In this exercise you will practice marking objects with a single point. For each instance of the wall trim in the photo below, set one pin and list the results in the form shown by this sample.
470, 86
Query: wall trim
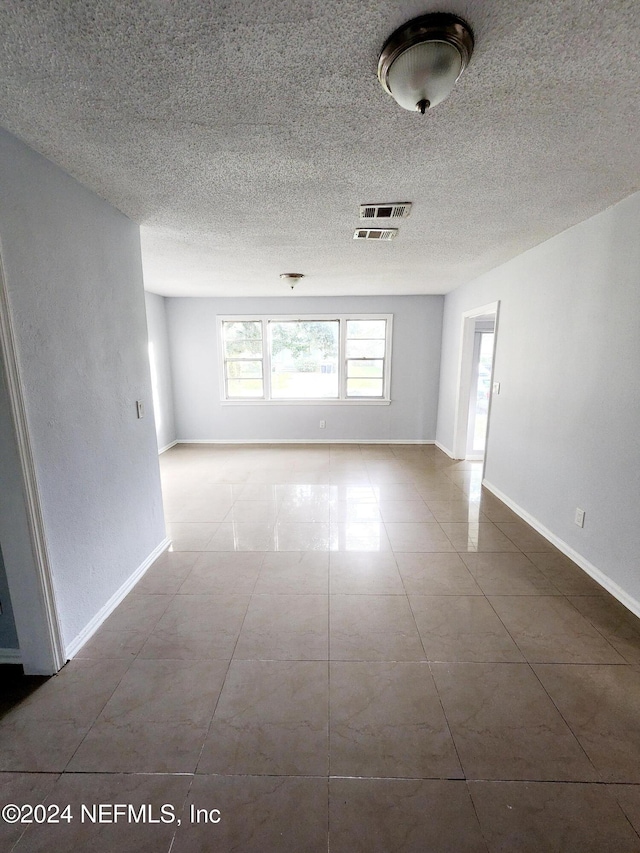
55, 645
10, 656
167, 446
107, 609
303, 441
599, 576
444, 449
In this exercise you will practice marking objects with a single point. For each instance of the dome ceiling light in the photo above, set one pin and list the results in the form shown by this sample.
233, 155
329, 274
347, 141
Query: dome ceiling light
422, 60
292, 278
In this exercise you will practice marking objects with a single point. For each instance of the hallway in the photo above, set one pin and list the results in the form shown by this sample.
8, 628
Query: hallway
349, 647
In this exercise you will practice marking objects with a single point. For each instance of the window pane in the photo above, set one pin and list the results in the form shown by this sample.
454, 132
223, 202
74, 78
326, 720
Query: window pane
234, 330
365, 349
242, 338
304, 359
364, 387
244, 369
244, 388
367, 369
242, 348
366, 328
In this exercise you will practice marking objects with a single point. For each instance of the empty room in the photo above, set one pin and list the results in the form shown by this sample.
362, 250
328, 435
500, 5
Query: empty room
307, 544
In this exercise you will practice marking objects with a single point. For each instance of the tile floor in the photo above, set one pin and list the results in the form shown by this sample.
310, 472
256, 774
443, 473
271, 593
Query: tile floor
348, 648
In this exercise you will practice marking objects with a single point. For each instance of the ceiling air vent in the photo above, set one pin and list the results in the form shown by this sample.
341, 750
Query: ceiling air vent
375, 233
397, 210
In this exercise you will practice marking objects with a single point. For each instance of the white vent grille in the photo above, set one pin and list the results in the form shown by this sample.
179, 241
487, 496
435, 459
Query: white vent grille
375, 233
397, 210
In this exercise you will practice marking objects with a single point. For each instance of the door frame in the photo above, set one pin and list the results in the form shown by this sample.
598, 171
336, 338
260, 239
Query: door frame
465, 376
31, 586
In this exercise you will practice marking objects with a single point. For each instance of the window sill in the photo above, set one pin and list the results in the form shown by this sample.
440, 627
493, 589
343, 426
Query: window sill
363, 402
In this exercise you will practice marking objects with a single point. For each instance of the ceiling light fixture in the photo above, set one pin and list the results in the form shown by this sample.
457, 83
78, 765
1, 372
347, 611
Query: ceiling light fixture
422, 60
292, 278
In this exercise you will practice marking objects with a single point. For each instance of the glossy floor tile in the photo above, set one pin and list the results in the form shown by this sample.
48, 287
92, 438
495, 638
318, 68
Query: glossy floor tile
462, 628
285, 627
402, 815
436, 574
545, 817
257, 814
373, 627
198, 627
272, 718
29, 789
92, 831
505, 726
549, 629
600, 704
352, 648
365, 574
508, 574
386, 721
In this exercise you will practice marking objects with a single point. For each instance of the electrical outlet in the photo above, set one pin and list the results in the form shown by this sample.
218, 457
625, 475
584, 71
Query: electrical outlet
140, 408
579, 519
323, 424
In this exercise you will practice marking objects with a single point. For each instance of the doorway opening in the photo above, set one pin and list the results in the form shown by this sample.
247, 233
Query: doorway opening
473, 407
480, 390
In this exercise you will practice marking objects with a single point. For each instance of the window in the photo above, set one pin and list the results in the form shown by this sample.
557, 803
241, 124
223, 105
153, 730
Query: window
304, 359
243, 359
286, 359
366, 345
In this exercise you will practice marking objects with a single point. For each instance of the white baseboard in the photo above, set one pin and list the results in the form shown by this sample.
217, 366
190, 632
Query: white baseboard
303, 441
444, 449
89, 630
599, 576
10, 656
167, 447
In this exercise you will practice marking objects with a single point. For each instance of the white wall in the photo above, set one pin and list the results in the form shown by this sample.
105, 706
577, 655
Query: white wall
74, 282
414, 379
161, 378
565, 429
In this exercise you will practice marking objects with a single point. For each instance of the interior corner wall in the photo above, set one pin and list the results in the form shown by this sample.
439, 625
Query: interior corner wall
195, 357
73, 276
565, 429
161, 375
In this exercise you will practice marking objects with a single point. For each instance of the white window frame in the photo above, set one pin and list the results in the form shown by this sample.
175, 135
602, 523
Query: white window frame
342, 399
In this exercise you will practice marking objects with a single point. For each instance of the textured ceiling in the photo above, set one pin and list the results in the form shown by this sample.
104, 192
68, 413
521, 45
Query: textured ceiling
243, 135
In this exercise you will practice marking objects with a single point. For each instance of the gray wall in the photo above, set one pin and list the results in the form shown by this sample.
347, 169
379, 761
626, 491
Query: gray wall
565, 429
411, 416
161, 378
74, 283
